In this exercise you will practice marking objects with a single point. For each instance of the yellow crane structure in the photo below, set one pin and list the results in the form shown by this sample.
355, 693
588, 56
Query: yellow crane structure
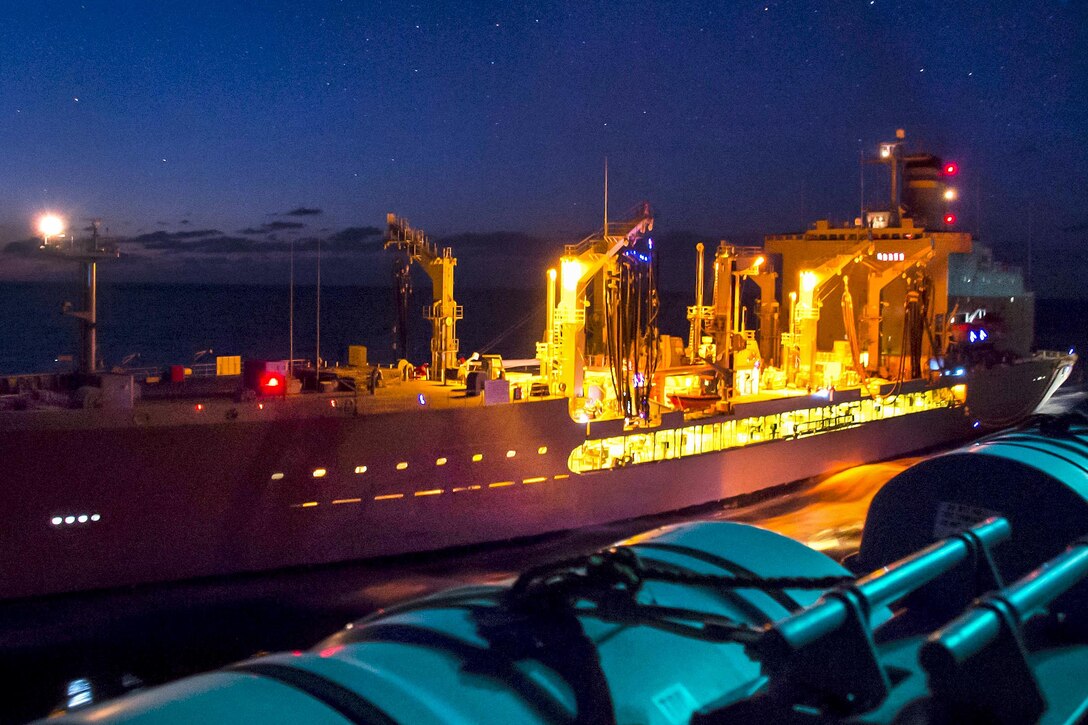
886, 255
564, 344
443, 312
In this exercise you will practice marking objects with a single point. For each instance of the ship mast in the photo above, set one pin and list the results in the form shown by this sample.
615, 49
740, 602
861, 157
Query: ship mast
87, 254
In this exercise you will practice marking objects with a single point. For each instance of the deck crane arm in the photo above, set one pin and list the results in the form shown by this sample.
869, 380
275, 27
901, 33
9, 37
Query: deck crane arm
578, 266
443, 312
806, 313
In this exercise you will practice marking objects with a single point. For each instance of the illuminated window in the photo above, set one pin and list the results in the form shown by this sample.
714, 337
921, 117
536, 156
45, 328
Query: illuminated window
542, 450
319, 472
477, 457
360, 469
402, 465
440, 462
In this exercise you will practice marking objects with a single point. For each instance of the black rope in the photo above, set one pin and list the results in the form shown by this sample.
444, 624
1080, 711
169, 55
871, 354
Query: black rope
620, 569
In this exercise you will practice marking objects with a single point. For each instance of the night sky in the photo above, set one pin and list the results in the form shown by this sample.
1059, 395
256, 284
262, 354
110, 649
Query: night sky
208, 135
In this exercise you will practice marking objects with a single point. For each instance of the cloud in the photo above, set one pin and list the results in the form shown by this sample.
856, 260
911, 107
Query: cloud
163, 237
353, 237
303, 211
276, 226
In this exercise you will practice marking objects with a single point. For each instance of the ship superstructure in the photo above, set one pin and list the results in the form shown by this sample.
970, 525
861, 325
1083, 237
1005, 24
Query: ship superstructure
612, 420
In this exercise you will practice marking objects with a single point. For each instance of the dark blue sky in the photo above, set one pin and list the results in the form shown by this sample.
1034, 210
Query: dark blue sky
731, 118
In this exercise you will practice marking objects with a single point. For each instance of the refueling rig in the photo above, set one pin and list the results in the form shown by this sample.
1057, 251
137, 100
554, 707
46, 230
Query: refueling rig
975, 610
443, 312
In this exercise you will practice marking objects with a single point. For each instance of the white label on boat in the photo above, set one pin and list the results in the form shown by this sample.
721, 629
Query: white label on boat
676, 703
952, 518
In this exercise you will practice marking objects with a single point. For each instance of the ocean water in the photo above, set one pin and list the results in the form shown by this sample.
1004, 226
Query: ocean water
169, 324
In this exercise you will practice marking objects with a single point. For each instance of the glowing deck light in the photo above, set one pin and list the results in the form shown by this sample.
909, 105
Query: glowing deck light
402, 465
511, 454
500, 484
50, 225
477, 457
57, 521
309, 504
429, 492
69, 519
808, 280
389, 497
422, 399
440, 462
951, 169
272, 381
542, 450
347, 500
319, 472
96, 517
360, 469
82, 518
534, 479
572, 273
950, 194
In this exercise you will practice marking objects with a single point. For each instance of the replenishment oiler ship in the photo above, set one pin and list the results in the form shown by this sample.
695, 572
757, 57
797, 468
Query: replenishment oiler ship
840, 345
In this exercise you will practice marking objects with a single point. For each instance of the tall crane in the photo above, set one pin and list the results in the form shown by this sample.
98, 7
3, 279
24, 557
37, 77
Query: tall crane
580, 264
443, 312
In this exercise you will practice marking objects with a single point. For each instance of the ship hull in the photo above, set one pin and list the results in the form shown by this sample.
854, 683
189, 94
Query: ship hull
96, 499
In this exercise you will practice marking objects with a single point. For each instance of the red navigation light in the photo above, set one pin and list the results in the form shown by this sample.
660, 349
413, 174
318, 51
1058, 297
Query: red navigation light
272, 381
950, 219
951, 169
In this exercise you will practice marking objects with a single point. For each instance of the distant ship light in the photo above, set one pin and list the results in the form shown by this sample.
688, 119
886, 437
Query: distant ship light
50, 225
949, 219
951, 169
950, 194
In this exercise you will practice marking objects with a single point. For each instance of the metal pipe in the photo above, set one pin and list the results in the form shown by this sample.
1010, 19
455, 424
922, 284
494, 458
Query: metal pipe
696, 333
89, 321
968, 635
549, 324
891, 583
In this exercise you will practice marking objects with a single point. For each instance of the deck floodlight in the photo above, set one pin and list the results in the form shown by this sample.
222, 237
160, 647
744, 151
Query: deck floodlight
50, 225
